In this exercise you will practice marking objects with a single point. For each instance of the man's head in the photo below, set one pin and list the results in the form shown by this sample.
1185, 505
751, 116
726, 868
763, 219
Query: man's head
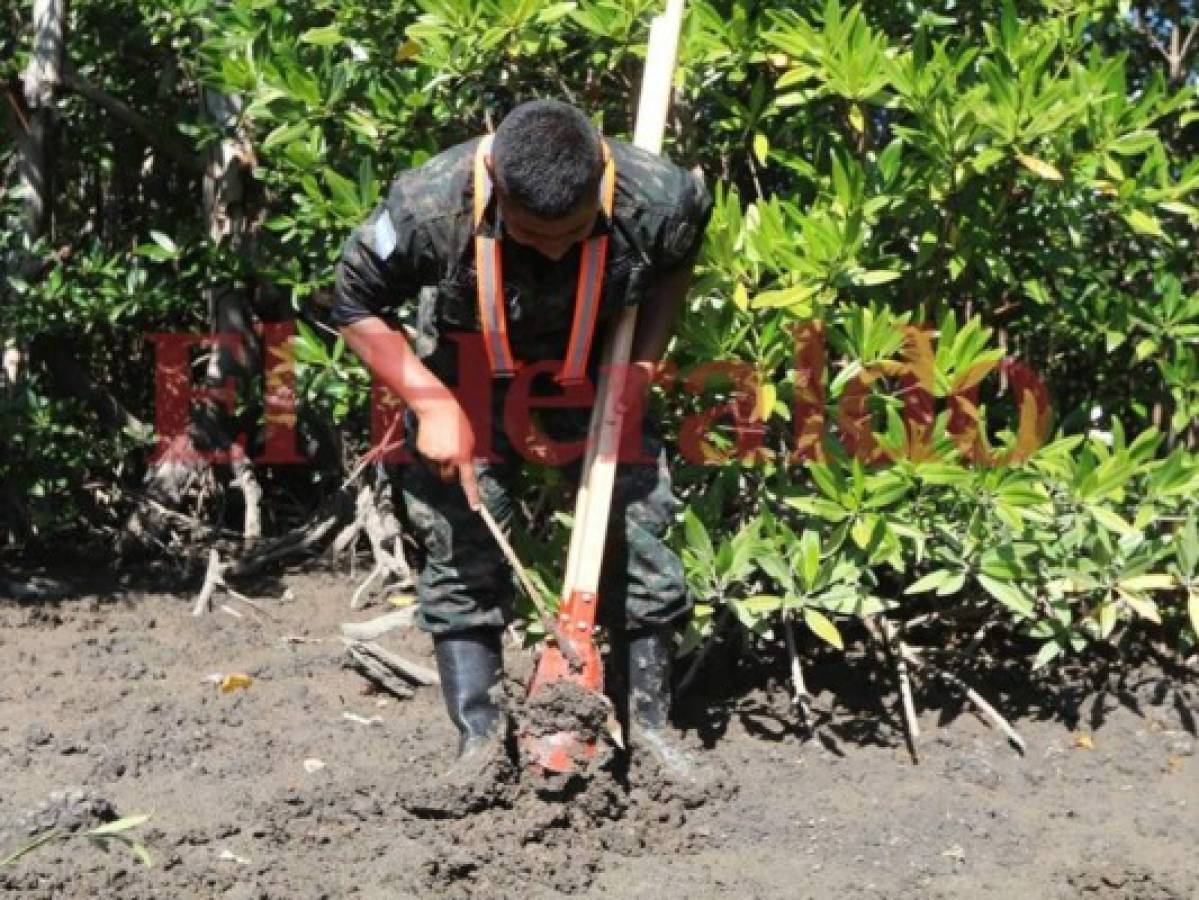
547, 161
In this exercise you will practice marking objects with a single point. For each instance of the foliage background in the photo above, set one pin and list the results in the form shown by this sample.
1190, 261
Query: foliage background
1021, 178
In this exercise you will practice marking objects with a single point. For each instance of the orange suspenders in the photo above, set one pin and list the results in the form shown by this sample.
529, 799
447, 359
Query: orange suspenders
489, 268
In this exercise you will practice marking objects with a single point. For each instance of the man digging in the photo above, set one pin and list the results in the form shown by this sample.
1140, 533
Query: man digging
518, 250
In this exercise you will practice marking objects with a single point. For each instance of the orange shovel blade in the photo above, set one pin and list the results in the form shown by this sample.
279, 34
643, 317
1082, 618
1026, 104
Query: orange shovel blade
564, 752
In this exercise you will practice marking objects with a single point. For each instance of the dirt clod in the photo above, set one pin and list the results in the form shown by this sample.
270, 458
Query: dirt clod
70, 810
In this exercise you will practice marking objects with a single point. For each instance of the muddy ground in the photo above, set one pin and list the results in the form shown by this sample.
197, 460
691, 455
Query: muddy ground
107, 706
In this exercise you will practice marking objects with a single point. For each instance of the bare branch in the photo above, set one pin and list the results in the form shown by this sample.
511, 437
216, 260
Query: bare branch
152, 134
1186, 45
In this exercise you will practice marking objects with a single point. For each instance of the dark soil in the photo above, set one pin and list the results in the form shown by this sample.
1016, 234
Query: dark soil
110, 708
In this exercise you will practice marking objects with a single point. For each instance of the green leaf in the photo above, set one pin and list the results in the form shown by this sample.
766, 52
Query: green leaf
1048, 652
929, 582
953, 585
1193, 609
986, 158
823, 627
1134, 142
819, 507
1149, 582
118, 826
1010, 595
555, 11
1142, 606
1188, 548
759, 604
1039, 167
761, 147
142, 854
809, 554
785, 297
1112, 521
165, 242
863, 530
876, 276
697, 536
284, 134
943, 474
1143, 223
325, 36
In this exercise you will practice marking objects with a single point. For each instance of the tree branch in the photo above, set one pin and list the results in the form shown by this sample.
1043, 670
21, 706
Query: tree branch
15, 120
152, 134
1186, 45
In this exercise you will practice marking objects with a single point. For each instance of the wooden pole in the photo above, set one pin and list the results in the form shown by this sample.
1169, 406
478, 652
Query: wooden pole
596, 480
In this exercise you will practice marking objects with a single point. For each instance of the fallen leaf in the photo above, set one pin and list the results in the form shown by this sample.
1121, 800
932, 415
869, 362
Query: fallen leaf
1083, 741
1173, 764
235, 681
401, 600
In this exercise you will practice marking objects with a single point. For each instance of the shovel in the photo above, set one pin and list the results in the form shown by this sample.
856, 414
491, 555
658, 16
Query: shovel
573, 656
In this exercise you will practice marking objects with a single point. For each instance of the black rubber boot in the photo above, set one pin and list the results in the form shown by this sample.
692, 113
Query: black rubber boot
649, 655
469, 664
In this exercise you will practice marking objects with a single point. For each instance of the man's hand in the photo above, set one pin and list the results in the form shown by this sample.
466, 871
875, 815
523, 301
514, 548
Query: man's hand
446, 442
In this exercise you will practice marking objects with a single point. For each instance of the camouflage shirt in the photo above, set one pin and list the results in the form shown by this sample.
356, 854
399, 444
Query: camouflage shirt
415, 254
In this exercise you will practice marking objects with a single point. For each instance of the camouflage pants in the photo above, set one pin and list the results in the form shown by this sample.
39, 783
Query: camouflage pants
465, 581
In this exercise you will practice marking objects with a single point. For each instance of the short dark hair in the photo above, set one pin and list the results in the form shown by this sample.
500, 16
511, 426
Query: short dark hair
547, 157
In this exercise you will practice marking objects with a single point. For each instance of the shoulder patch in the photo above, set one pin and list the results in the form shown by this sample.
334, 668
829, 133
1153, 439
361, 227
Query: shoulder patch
383, 236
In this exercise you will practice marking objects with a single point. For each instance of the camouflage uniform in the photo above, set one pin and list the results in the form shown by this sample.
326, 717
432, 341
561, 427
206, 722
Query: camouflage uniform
418, 245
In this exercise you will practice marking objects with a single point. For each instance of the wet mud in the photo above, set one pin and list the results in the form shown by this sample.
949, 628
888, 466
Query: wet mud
302, 784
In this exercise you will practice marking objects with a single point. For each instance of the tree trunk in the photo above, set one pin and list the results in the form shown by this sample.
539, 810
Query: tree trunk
33, 128
42, 77
236, 359
227, 188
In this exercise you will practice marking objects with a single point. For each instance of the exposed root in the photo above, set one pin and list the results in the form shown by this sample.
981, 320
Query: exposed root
379, 626
214, 580
800, 697
373, 518
973, 696
246, 480
885, 633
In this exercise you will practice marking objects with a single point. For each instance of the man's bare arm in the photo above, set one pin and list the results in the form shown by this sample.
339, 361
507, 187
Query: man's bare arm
656, 317
445, 437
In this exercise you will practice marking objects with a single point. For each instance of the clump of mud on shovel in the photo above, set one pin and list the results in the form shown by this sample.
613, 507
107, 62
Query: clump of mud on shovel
566, 707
